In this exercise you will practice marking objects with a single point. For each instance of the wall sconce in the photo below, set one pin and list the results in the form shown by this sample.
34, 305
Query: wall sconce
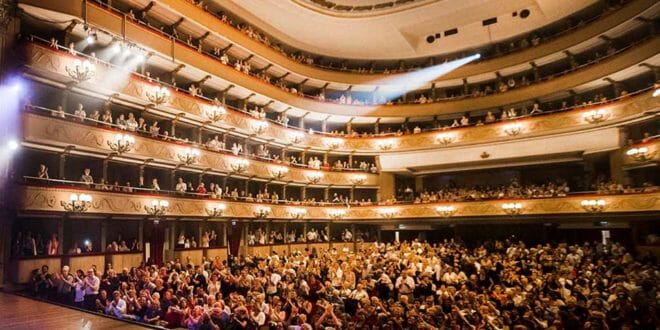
278, 172
297, 213
593, 205
387, 213
359, 179
215, 113
295, 137
216, 211
77, 203
239, 165
189, 156
512, 208
640, 154
262, 212
314, 177
158, 95
595, 116
157, 208
445, 211
121, 143
333, 144
259, 127
81, 70
512, 129
445, 138
386, 145
336, 214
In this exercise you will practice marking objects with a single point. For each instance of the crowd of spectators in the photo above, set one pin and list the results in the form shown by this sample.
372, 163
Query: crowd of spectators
408, 285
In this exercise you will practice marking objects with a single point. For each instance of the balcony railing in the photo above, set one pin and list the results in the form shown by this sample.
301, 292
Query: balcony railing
42, 130
551, 120
44, 199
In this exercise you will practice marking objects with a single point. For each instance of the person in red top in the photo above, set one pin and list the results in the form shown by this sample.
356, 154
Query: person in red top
201, 189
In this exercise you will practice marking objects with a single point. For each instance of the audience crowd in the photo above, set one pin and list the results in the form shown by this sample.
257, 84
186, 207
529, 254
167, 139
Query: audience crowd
408, 285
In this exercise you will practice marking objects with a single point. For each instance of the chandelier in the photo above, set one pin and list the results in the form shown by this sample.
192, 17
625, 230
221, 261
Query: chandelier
157, 208
334, 143
297, 213
259, 127
77, 203
239, 165
314, 177
121, 143
512, 129
295, 138
387, 213
216, 210
359, 179
445, 138
336, 214
595, 116
593, 205
215, 113
278, 172
512, 208
262, 212
640, 154
81, 70
158, 95
445, 211
386, 145
189, 156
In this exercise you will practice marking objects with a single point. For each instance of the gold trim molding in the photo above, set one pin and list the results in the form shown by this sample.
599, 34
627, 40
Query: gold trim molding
43, 199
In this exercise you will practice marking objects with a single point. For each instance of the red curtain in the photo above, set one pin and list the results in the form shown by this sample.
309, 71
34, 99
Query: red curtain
234, 237
156, 244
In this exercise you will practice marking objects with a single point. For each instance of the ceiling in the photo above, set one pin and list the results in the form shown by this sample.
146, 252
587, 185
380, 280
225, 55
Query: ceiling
402, 32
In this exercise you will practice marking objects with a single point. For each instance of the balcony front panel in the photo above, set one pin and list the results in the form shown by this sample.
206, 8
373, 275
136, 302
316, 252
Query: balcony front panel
643, 153
135, 89
565, 41
135, 33
42, 130
45, 199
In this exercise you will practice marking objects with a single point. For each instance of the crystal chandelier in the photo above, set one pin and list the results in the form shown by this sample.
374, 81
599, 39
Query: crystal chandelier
314, 177
239, 165
262, 212
216, 210
157, 208
279, 172
189, 156
77, 203
121, 143
215, 113
158, 95
81, 70
297, 213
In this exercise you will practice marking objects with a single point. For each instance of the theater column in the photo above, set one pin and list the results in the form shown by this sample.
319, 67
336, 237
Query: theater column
385, 186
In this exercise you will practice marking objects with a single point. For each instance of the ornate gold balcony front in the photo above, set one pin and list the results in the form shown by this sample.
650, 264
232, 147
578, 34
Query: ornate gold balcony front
41, 130
45, 199
49, 61
170, 49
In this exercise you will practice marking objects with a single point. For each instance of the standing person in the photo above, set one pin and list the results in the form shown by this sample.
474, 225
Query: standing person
79, 288
65, 285
92, 284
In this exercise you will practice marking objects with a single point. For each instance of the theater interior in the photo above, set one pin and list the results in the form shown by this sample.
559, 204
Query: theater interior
329, 164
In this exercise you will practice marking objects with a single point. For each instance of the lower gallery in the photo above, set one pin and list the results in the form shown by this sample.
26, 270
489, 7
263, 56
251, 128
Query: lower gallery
208, 164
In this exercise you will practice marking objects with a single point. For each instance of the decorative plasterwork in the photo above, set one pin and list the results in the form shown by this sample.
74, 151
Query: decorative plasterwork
136, 88
42, 199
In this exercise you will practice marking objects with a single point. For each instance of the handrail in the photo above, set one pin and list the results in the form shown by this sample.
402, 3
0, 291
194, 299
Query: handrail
83, 186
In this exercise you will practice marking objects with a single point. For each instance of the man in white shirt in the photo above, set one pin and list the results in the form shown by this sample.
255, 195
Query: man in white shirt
405, 284
180, 186
92, 284
117, 307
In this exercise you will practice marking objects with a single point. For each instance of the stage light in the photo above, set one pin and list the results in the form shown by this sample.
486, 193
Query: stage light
90, 39
140, 58
12, 145
115, 48
399, 84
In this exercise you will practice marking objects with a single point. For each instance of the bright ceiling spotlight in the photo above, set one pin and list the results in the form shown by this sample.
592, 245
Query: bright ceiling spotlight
656, 92
90, 39
140, 58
